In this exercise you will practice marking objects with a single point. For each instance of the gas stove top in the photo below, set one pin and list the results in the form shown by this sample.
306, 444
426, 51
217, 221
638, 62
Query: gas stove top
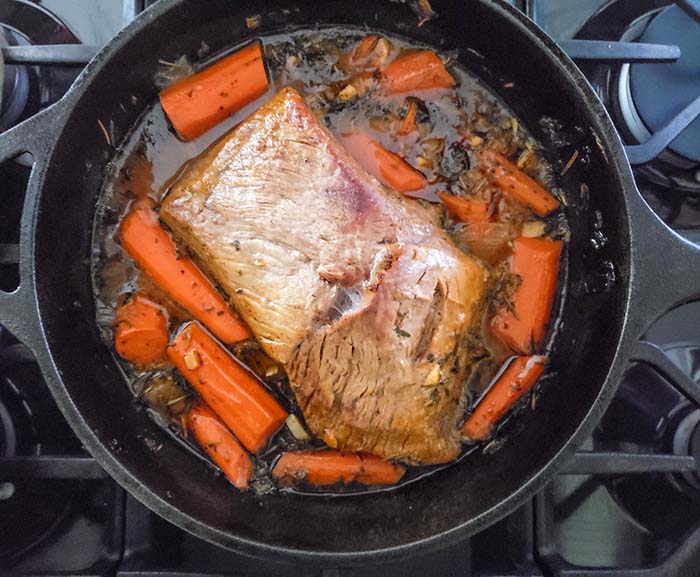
629, 504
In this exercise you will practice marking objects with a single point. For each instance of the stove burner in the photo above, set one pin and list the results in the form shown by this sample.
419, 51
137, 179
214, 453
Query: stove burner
17, 433
686, 441
14, 83
670, 182
660, 91
8, 438
647, 415
29, 508
27, 89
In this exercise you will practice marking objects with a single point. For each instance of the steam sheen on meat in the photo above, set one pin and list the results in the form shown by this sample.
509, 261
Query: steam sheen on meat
355, 290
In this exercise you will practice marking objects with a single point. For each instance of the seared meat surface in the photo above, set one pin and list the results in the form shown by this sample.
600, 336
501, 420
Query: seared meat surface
355, 290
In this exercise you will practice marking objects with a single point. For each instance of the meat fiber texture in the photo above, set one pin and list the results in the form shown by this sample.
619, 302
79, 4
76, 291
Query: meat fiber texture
355, 290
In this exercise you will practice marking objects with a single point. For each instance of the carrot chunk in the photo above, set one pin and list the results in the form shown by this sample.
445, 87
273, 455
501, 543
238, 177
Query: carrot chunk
221, 446
518, 378
197, 103
515, 183
408, 122
322, 468
140, 330
387, 167
536, 261
419, 70
464, 209
395, 172
155, 253
233, 393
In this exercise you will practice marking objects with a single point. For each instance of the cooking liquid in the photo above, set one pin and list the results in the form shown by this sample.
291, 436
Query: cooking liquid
152, 158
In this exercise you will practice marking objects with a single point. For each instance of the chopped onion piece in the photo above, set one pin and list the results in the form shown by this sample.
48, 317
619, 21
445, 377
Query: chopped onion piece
475, 141
381, 51
533, 229
433, 377
192, 360
423, 162
253, 22
347, 93
296, 428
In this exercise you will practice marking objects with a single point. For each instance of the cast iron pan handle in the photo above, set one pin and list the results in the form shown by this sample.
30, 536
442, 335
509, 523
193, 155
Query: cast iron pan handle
665, 267
18, 311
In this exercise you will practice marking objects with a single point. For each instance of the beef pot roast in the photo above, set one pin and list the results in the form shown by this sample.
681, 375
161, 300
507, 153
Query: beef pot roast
355, 290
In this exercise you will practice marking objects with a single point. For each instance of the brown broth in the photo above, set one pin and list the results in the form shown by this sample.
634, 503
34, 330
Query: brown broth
152, 157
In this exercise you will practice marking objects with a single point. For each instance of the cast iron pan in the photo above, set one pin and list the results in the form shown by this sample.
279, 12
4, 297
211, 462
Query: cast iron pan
53, 311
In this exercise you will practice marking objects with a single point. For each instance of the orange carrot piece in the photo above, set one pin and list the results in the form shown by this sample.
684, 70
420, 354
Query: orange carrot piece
419, 70
396, 172
154, 252
387, 167
518, 378
140, 330
514, 182
221, 446
465, 210
197, 103
408, 122
536, 261
322, 468
233, 393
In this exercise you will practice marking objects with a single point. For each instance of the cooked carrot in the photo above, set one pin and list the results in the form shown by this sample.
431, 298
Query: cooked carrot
464, 209
536, 261
155, 253
197, 103
419, 70
221, 446
240, 399
518, 378
330, 467
387, 167
396, 172
408, 122
140, 330
515, 183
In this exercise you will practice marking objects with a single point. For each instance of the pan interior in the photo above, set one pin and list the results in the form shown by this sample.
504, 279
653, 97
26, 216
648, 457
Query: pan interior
530, 81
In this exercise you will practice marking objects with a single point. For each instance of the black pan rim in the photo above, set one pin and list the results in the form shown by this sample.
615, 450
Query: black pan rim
609, 142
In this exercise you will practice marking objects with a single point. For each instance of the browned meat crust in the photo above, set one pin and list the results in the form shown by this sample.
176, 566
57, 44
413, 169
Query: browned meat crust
355, 290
